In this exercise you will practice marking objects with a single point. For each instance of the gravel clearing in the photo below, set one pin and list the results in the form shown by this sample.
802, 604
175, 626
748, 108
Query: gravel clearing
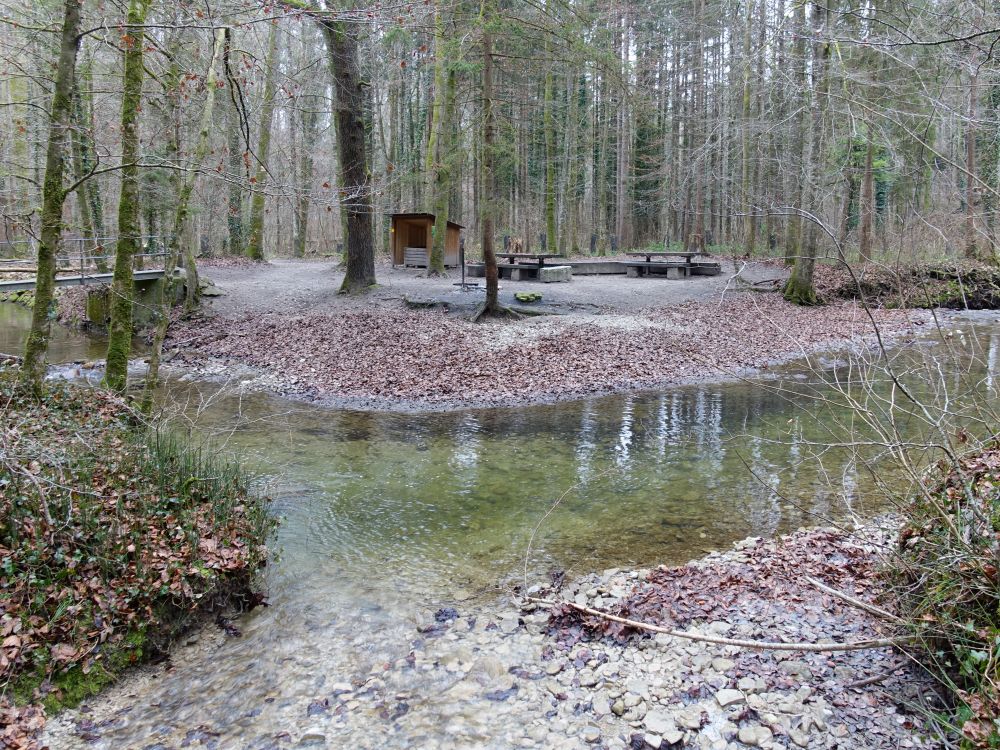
289, 331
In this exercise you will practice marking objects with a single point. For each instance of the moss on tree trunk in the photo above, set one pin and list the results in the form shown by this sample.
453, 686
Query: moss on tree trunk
122, 289
53, 197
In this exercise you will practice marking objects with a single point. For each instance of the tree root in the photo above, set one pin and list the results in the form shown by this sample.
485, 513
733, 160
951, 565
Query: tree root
483, 311
830, 646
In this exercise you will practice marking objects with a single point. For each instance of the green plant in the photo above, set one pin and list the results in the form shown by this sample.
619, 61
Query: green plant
949, 586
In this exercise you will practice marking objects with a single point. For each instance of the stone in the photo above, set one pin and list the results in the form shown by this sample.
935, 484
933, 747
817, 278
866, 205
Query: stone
618, 707
755, 736
554, 668
722, 665
689, 718
587, 678
746, 684
840, 731
727, 697
674, 737
636, 714
799, 737
798, 669
591, 735
601, 703
313, 736
638, 687
653, 740
549, 274
659, 722
492, 667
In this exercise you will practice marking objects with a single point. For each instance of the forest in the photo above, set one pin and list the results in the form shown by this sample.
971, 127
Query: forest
772, 128
499, 373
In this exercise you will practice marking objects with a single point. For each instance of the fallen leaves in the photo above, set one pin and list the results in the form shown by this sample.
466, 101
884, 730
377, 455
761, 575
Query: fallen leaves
425, 356
106, 543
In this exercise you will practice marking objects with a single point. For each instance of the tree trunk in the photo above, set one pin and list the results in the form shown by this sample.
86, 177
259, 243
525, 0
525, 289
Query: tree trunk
309, 120
799, 288
342, 46
971, 246
440, 159
548, 125
236, 166
799, 145
749, 221
867, 203
255, 241
181, 229
53, 196
488, 204
122, 288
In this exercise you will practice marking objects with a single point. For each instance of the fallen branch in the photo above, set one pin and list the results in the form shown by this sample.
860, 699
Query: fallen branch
870, 680
869, 608
758, 645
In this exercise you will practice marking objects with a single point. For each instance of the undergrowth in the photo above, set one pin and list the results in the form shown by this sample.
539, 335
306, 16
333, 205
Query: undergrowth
949, 587
114, 537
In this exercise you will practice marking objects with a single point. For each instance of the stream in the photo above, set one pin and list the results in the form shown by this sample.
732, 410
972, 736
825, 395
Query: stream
388, 517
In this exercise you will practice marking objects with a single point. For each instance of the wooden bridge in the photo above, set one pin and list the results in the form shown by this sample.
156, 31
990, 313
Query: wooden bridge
138, 277
81, 271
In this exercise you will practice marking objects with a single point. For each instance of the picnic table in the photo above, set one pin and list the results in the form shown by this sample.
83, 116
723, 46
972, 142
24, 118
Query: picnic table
649, 255
673, 265
535, 259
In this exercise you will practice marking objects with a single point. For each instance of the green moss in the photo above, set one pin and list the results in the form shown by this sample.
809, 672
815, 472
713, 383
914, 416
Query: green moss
800, 293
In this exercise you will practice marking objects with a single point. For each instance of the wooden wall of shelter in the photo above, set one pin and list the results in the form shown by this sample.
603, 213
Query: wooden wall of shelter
412, 232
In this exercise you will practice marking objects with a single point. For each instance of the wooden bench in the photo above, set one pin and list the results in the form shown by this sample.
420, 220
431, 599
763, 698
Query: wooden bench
705, 268
636, 268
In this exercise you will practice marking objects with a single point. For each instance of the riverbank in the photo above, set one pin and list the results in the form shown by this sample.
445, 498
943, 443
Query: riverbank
496, 676
114, 539
602, 335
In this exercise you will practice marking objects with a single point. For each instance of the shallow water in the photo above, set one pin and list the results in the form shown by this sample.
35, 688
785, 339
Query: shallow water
388, 516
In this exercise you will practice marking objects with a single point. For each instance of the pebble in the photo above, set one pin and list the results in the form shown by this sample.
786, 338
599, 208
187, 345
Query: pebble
755, 736
722, 665
659, 722
659, 693
727, 697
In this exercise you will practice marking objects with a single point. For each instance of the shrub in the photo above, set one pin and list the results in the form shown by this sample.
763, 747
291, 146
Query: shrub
949, 587
113, 537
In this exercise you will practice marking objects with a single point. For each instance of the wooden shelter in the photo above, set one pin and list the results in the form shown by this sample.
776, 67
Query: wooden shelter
411, 240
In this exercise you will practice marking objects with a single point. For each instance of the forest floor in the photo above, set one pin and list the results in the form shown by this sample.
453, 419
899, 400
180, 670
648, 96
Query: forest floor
282, 327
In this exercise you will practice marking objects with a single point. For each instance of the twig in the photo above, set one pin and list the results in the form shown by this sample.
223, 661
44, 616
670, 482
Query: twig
869, 608
870, 680
759, 645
